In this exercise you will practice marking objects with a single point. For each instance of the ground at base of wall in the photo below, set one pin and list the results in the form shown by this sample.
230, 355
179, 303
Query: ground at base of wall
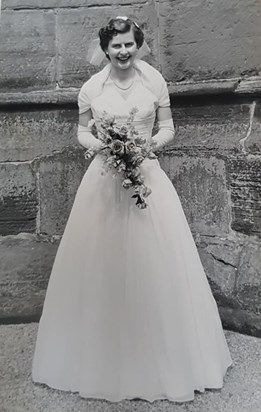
241, 391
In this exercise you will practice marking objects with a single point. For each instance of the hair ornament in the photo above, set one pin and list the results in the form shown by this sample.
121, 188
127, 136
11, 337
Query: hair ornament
122, 18
127, 18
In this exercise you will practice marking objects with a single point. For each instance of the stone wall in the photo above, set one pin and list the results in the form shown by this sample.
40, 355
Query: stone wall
208, 52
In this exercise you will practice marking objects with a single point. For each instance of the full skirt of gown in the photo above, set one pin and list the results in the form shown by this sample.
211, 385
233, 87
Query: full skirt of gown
128, 311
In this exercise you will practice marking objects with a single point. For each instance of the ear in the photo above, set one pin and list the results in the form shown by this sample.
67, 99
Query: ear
107, 54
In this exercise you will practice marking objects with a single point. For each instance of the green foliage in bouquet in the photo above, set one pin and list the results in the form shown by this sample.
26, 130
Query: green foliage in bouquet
124, 151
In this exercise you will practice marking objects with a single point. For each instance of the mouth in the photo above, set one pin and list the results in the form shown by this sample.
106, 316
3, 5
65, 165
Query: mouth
123, 59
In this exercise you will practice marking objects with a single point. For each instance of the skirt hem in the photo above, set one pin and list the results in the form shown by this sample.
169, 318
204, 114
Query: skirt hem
179, 399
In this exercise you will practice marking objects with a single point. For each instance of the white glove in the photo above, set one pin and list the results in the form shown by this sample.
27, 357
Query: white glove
165, 134
87, 139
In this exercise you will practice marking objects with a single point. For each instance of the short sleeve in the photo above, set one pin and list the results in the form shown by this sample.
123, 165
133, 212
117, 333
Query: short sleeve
164, 100
84, 102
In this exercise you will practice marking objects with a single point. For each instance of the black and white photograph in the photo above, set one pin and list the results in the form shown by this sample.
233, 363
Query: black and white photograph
130, 206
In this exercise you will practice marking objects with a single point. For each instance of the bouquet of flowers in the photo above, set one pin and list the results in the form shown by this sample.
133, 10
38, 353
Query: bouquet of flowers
124, 150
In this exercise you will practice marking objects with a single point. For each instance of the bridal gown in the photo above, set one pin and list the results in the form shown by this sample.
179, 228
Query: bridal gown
128, 311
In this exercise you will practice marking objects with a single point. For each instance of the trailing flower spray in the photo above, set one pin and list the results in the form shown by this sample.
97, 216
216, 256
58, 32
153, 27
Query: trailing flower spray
124, 151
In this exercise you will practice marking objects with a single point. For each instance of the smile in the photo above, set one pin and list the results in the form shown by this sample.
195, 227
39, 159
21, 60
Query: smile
123, 58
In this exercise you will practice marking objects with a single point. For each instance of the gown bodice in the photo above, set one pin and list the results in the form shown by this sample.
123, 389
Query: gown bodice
119, 103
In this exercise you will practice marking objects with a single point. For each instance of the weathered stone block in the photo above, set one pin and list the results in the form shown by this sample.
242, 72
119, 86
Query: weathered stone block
248, 284
215, 125
76, 28
59, 178
244, 179
25, 266
211, 87
41, 4
29, 134
240, 321
253, 142
220, 258
206, 39
233, 267
201, 186
27, 50
18, 199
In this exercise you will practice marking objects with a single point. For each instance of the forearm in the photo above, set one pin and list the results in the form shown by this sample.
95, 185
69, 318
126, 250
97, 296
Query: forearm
87, 139
165, 134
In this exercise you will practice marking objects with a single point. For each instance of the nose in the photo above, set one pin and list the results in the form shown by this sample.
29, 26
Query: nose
123, 49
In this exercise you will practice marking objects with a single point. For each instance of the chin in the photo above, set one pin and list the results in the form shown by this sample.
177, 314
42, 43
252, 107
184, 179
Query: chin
124, 66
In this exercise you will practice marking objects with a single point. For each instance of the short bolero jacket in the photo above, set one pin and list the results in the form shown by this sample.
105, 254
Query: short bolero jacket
150, 77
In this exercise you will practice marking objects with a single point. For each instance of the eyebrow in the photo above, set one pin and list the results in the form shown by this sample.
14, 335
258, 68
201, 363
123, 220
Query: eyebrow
126, 42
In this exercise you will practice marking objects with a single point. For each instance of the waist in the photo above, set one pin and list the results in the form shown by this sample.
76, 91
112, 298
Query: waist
143, 126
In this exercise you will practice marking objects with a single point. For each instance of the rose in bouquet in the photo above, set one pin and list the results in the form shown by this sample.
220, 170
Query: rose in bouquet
124, 151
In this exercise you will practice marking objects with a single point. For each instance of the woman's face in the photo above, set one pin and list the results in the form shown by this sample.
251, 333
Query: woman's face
122, 50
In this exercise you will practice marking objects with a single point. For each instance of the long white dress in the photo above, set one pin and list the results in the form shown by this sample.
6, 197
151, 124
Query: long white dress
128, 311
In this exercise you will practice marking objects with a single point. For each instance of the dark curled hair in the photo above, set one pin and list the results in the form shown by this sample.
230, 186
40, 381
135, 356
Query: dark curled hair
116, 26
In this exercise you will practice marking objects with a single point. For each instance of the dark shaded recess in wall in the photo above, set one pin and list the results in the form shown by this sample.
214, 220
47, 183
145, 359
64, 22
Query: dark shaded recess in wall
36, 107
16, 320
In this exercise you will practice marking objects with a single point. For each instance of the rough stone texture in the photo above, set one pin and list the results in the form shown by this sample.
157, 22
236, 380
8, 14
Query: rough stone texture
233, 268
240, 320
213, 176
249, 86
204, 87
50, 97
221, 256
208, 51
59, 178
212, 125
248, 281
75, 29
253, 142
27, 50
47, 42
25, 135
68, 96
18, 199
203, 39
197, 181
241, 391
25, 265
42, 4
244, 179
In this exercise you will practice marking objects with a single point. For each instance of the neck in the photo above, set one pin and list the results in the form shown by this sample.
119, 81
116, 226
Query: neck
122, 74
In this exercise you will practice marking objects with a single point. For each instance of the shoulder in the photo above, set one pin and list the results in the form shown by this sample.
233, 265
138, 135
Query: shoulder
147, 70
152, 78
93, 86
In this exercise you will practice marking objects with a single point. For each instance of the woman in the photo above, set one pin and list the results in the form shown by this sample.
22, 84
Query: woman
128, 311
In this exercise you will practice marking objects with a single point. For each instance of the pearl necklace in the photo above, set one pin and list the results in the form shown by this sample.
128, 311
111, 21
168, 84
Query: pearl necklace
123, 88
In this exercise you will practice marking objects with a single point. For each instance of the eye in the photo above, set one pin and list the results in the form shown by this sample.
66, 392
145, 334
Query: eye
116, 46
129, 44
